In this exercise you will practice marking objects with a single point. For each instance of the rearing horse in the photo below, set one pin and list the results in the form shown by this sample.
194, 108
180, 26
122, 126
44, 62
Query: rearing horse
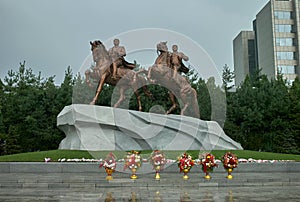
161, 73
127, 78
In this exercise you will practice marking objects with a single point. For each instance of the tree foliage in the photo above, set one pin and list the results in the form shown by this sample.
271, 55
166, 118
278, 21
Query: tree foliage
262, 114
29, 106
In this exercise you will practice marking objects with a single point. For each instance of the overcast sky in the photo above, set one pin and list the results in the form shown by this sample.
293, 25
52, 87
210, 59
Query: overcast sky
51, 35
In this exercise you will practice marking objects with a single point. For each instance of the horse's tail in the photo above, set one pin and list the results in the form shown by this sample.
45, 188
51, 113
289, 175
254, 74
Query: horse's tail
195, 103
87, 77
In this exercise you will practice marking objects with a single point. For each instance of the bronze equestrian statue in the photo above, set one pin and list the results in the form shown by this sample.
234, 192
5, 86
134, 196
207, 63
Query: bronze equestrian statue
125, 78
162, 73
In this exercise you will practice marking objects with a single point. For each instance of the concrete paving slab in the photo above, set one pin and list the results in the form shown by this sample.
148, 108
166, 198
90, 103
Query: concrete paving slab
92, 186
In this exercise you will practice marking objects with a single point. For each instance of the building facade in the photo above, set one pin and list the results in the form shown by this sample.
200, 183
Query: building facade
273, 45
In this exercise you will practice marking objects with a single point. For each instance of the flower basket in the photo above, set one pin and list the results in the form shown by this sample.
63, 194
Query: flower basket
109, 164
133, 162
185, 163
230, 161
207, 161
158, 161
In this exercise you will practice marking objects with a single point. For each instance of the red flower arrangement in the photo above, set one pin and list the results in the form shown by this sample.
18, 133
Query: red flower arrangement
133, 162
230, 161
109, 163
207, 161
185, 163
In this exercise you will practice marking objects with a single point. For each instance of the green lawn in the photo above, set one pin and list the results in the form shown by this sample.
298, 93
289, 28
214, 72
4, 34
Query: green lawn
71, 154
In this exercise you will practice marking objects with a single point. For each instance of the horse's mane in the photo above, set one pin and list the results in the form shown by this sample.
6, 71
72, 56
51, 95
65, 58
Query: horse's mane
103, 50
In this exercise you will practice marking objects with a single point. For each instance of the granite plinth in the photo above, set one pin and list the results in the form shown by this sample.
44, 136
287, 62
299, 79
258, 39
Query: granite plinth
89, 127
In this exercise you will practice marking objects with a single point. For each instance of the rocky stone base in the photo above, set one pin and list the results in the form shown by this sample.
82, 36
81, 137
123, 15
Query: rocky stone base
89, 127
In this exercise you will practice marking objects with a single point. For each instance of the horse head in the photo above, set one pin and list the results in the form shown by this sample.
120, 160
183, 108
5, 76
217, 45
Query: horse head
99, 51
95, 44
162, 47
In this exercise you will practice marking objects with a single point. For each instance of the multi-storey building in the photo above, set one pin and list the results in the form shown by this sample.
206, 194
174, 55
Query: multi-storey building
273, 45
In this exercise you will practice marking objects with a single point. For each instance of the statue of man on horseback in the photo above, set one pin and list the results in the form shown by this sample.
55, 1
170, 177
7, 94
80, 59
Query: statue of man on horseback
162, 73
102, 73
117, 54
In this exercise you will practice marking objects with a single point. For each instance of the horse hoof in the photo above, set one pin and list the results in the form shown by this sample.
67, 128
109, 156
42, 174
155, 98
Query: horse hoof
92, 103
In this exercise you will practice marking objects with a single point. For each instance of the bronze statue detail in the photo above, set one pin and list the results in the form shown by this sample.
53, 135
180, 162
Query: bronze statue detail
117, 54
176, 61
162, 73
166, 72
125, 77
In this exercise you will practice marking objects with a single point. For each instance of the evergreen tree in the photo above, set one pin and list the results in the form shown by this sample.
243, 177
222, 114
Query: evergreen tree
227, 77
30, 107
294, 115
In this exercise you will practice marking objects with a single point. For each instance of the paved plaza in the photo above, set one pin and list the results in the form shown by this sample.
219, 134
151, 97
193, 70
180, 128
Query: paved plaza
92, 186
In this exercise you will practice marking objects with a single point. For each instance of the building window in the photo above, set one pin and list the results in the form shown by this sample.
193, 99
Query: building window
251, 56
286, 69
283, 28
285, 55
282, 15
284, 41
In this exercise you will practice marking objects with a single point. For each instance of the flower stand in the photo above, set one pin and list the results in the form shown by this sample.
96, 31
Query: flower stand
157, 169
229, 171
158, 161
109, 172
133, 175
185, 172
133, 162
207, 176
230, 161
207, 161
185, 163
109, 163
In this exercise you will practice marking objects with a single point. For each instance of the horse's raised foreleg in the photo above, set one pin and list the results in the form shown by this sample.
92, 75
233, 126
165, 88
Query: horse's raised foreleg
149, 76
99, 89
173, 100
122, 97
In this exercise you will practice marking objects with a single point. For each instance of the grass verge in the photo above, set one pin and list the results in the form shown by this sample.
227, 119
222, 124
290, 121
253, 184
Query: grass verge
71, 154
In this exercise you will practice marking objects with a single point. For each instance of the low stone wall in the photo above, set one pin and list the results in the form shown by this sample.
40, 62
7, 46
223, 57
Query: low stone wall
70, 167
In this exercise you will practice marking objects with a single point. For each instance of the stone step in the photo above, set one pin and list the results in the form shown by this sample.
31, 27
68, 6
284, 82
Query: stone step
169, 180
92, 186
81, 167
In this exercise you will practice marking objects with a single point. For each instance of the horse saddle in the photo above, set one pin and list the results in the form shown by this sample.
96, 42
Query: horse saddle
183, 68
128, 65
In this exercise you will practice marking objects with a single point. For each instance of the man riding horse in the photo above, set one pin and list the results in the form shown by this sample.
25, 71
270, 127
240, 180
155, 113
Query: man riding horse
117, 54
127, 78
176, 61
162, 73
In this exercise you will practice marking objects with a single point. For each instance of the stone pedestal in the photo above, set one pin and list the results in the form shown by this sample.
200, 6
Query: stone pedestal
90, 127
